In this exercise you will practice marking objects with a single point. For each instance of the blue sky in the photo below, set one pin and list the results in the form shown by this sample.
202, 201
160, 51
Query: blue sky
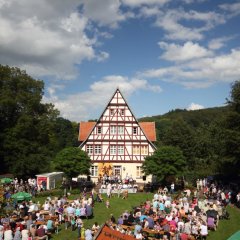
162, 54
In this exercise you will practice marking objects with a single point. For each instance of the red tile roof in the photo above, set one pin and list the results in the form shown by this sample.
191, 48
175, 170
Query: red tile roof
84, 130
148, 128
110, 234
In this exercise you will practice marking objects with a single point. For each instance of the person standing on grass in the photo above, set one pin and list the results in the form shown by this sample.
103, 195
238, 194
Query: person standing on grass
109, 190
107, 203
172, 187
79, 224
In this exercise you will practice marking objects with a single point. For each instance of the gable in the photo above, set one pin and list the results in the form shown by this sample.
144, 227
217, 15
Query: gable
117, 123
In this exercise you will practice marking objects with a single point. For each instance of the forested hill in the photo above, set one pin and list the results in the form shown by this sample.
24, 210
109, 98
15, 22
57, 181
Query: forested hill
193, 118
209, 138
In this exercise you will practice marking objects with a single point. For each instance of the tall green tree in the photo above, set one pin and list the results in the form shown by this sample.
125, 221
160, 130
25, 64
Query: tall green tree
26, 124
231, 157
181, 135
73, 162
166, 161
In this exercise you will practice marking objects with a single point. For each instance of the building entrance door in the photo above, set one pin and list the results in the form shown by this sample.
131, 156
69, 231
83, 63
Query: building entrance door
118, 171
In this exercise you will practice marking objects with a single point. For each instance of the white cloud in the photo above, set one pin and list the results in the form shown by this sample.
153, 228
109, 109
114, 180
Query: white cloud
190, 50
171, 20
147, 11
45, 38
105, 12
138, 3
218, 43
194, 106
200, 73
233, 8
102, 56
96, 98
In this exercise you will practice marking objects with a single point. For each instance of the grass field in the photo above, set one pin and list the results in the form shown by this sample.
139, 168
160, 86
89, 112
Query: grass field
118, 206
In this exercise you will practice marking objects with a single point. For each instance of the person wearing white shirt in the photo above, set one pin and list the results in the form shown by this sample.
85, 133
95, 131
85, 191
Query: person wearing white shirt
203, 231
8, 234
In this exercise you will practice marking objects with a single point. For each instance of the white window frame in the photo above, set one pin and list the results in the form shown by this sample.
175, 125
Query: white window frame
120, 130
113, 130
94, 171
97, 149
120, 150
139, 172
113, 149
122, 112
136, 149
89, 149
144, 149
117, 170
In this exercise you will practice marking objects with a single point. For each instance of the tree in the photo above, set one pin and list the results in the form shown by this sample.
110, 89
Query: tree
26, 124
65, 134
73, 162
234, 100
231, 157
166, 161
181, 135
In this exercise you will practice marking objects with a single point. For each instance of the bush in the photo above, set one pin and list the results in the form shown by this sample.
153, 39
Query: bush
53, 192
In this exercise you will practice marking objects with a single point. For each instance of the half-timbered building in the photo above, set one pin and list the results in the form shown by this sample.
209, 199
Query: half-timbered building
117, 143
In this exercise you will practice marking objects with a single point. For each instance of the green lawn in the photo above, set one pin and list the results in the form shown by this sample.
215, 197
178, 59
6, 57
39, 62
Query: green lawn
117, 206
227, 227
101, 213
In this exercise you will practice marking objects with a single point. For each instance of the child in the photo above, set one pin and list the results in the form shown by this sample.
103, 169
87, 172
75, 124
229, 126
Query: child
107, 204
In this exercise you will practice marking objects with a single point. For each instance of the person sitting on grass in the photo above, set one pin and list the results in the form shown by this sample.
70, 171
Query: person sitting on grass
41, 233
95, 228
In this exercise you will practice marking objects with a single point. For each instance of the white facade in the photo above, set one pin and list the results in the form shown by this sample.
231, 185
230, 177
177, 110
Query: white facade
117, 144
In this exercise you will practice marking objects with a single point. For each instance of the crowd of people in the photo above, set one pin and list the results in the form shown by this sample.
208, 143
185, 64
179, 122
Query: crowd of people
116, 179
19, 185
29, 220
168, 216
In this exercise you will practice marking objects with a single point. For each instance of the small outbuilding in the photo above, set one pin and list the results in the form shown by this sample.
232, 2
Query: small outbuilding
47, 181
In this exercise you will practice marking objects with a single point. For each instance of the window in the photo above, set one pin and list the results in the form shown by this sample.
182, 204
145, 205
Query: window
99, 130
113, 130
136, 150
134, 130
120, 150
89, 149
113, 149
120, 129
111, 112
98, 149
94, 171
139, 173
144, 150
117, 170
122, 112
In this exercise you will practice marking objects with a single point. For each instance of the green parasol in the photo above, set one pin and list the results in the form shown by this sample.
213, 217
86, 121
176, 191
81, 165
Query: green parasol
6, 180
21, 196
235, 236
